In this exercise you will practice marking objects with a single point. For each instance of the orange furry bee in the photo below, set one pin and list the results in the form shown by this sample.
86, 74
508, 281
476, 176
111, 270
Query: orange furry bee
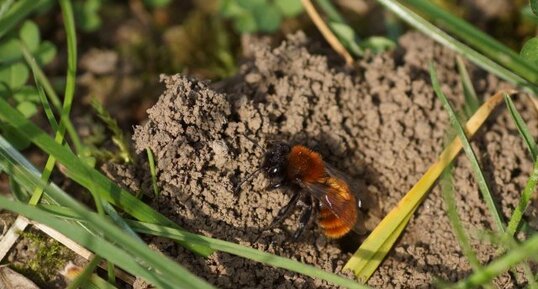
323, 189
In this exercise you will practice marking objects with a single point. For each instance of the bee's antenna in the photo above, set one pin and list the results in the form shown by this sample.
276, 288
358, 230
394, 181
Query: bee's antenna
248, 177
253, 141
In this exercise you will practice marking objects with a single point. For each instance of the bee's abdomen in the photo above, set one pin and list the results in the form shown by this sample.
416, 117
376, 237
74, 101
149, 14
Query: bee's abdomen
332, 226
341, 219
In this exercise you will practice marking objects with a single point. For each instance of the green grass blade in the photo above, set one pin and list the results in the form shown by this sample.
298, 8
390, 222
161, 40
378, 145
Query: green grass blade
67, 12
447, 190
87, 176
481, 180
246, 252
120, 222
471, 100
85, 275
477, 39
75, 212
43, 81
223, 246
151, 162
111, 273
101, 231
42, 97
136, 257
371, 252
523, 201
526, 250
522, 127
438, 35
69, 23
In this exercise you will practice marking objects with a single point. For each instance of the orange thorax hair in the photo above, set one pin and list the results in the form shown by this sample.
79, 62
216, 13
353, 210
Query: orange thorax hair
305, 165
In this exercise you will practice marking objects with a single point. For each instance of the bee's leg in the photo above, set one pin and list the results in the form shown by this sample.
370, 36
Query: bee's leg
276, 185
283, 213
305, 218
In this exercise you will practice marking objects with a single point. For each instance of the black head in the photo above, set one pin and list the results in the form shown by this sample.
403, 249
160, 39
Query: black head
274, 164
276, 159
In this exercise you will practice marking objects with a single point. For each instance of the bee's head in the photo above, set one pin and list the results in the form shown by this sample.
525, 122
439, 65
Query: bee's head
276, 159
274, 163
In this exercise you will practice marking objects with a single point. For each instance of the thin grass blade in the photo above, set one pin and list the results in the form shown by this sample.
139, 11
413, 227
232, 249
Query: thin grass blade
87, 176
71, 210
471, 100
522, 128
372, 251
527, 250
223, 246
153, 172
19, 11
157, 269
477, 39
447, 191
134, 255
438, 35
524, 200
86, 273
479, 175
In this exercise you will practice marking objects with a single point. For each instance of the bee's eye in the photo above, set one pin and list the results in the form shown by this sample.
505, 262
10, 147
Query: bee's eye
274, 170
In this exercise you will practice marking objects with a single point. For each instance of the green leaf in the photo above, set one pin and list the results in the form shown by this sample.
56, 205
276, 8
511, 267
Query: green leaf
15, 75
289, 8
534, 6
378, 44
530, 50
87, 14
252, 5
346, 34
9, 50
268, 18
156, 3
29, 34
28, 109
45, 53
26, 93
245, 23
230, 8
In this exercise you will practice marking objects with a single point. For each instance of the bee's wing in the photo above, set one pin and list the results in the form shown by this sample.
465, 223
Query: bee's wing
337, 198
352, 185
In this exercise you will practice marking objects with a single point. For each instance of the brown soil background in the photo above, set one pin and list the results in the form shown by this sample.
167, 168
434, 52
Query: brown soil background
381, 124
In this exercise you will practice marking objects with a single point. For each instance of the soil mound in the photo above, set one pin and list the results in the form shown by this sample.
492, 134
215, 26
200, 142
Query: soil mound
381, 124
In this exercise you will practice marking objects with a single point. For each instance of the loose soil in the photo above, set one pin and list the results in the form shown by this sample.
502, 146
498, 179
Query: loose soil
380, 123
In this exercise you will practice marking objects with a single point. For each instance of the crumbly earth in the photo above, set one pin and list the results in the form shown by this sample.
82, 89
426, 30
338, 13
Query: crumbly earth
379, 123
